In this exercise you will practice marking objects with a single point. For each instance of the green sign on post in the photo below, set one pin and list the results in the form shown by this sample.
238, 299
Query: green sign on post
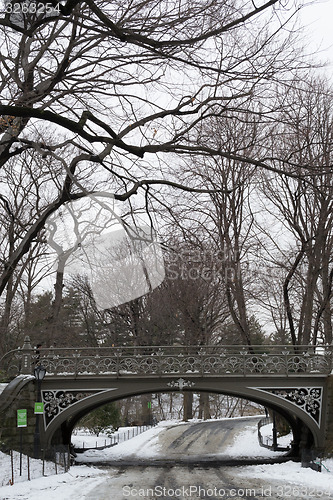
149, 405
22, 418
39, 408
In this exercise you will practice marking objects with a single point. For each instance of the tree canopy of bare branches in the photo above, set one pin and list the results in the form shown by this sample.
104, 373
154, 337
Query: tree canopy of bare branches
119, 84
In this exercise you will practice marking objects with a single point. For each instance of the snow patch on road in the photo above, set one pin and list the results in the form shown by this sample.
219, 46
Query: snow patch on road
291, 473
246, 445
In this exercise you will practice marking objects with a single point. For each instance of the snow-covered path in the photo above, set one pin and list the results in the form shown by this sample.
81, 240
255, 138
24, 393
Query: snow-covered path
175, 481
194, 441
278, 481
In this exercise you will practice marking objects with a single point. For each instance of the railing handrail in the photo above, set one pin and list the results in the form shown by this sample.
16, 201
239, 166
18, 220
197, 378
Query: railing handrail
241, 359
240, 348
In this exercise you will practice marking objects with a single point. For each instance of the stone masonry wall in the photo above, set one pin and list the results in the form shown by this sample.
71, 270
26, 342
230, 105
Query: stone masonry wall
19, 395
329, 426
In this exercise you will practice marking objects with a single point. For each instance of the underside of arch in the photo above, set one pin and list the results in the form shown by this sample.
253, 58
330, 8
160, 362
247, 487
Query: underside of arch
67, 401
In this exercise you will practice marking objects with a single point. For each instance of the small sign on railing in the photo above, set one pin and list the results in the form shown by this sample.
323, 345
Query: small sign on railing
39, 408
22, 418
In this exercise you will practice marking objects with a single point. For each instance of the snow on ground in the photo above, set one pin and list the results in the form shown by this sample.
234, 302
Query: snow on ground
35, 468
267, 434
291, 473
81, 439
81, 478
2, 387
65, 486
144, 445
246, 445
52, 485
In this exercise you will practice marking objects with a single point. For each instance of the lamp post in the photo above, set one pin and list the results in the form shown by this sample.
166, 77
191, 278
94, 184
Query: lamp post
39, 373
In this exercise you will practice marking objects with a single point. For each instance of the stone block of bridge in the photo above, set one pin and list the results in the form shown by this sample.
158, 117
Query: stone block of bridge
19, 394
328, 450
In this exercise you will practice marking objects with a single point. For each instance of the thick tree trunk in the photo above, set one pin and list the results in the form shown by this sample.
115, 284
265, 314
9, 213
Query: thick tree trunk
204, 407
188, 403
127, 406
326, 302
146, 411
56, 308
5, 319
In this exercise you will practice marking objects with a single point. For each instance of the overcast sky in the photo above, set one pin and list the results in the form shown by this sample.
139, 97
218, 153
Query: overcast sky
318, 20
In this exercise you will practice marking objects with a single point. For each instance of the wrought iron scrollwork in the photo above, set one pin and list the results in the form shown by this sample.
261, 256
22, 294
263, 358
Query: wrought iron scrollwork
307, 398
58, 400
222, 361
181, 384
176, 360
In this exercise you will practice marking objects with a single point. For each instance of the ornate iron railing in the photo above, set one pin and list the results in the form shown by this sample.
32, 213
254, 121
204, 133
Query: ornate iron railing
174, 360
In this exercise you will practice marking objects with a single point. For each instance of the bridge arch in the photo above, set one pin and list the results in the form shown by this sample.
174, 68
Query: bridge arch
301, 406
297, 383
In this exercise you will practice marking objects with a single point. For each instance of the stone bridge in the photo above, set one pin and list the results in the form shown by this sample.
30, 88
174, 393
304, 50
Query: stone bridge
295, 382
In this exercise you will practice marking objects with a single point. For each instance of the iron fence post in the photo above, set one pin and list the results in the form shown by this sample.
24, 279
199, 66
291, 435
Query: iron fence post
244, 354
159, 361
286, 362
117, 363
76, 368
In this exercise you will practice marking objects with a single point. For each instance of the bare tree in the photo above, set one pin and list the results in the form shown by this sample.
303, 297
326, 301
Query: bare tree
194, 294
224, 220
22, 185
304, 208
123, 83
